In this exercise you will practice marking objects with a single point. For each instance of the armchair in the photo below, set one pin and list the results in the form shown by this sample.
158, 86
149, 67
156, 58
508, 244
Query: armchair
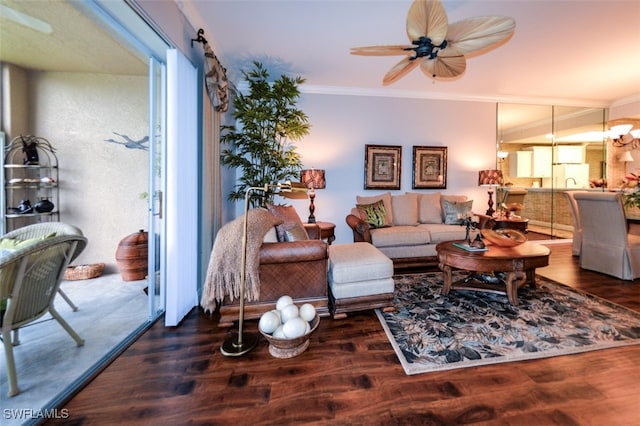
295, 263
29, 279
577, 225
295, 268
607, 246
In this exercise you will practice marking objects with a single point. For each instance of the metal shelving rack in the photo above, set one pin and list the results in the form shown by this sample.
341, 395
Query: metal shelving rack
28, 180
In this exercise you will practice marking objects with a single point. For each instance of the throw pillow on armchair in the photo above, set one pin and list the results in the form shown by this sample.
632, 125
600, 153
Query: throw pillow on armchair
292, 228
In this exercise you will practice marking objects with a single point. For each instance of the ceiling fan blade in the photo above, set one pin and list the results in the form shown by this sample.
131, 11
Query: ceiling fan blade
480, 33
399, 70
444, 67
381, 50
427, 18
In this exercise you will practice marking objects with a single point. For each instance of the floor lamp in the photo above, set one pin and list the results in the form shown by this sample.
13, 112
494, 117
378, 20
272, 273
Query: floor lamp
242, 343
490, 178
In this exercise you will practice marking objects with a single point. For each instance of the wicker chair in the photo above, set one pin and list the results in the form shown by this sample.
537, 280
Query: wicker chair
29, 279
41, 230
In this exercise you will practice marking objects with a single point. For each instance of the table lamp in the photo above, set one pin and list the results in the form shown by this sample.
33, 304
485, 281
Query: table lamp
313, 179
490, 178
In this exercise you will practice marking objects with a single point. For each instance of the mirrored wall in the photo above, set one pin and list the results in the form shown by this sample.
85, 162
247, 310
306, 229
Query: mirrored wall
547, 150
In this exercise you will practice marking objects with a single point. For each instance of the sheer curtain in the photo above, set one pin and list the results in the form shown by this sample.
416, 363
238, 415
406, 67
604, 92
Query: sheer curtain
182, 196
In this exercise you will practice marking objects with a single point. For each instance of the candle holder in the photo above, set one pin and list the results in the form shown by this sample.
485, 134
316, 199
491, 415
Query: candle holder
471, 224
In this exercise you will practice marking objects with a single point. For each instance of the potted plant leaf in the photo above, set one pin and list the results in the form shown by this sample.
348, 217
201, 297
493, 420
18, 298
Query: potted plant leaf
266, 121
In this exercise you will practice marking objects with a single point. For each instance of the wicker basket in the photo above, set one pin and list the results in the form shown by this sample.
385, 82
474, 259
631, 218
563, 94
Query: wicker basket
83, 272
289, 348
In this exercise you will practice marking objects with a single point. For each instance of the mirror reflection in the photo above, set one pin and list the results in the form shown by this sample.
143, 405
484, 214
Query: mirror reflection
543, 151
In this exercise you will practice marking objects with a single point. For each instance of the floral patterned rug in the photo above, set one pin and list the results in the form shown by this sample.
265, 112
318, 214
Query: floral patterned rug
431, 332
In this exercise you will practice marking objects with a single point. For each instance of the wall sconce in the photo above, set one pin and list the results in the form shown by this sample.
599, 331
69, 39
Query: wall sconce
490, 178
622, 135
313, 179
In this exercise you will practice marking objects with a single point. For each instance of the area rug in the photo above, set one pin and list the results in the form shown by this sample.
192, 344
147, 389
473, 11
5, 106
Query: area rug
431, 332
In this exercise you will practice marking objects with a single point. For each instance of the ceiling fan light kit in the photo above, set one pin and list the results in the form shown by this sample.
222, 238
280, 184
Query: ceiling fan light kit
439, 48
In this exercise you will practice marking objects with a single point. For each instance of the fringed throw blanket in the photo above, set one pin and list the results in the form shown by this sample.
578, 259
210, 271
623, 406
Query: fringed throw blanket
225, 265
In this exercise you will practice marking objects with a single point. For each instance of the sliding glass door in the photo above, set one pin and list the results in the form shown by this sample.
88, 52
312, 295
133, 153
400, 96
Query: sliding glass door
157, 144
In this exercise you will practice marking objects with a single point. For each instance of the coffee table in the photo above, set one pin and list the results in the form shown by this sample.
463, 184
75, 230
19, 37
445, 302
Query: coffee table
511, 267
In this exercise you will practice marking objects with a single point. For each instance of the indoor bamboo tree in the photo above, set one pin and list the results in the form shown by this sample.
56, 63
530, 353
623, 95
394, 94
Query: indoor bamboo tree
266, 120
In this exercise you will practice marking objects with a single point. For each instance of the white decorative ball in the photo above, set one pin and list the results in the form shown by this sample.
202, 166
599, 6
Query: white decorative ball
289, 312
283, 301
279, 333
277, 312
307, 312
268, 323
295, 327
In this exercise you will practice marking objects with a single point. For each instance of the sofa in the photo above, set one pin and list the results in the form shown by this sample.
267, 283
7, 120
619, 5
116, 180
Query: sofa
407, 227
292, 262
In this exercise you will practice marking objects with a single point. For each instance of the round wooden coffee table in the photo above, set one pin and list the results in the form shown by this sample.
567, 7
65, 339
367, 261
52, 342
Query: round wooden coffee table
517, 265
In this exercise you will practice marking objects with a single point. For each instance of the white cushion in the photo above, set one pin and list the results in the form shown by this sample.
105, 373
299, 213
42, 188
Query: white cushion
400, 236
362, 288
429, 208
405, 209
441, 232
357, 262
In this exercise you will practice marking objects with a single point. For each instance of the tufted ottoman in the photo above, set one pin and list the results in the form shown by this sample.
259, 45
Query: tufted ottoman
360, 278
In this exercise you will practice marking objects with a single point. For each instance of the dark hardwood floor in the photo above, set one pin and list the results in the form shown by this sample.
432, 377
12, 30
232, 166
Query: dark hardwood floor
351, 376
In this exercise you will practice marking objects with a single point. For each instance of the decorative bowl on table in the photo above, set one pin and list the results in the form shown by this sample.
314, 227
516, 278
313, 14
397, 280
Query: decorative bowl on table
289, 348
504, 237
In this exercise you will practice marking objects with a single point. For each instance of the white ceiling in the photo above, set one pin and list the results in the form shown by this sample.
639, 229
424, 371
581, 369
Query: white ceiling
577, 52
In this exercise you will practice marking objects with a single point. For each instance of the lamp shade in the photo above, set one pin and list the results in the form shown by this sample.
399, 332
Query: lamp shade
313, 178
489, 177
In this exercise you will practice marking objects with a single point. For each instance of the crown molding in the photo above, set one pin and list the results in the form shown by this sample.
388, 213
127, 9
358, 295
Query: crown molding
465, 97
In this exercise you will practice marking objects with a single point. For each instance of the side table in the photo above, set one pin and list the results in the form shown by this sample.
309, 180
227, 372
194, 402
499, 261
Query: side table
327, 231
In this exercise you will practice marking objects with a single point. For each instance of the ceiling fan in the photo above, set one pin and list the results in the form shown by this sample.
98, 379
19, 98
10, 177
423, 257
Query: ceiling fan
439, 48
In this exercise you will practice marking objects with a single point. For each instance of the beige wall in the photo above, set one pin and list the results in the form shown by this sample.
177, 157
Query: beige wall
100, 182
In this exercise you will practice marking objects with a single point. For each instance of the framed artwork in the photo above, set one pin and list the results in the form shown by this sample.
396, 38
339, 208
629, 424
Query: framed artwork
382, 166
429, 167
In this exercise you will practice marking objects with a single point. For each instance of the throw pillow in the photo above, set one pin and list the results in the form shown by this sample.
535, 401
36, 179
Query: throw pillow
386, 199
289, 217
296, 233
271, 236
450, 198
429, 208
454, 210
374, 214
405, 209
14, 244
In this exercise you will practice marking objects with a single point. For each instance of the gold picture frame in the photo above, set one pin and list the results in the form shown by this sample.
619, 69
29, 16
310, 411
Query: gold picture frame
429, 167
382, 166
